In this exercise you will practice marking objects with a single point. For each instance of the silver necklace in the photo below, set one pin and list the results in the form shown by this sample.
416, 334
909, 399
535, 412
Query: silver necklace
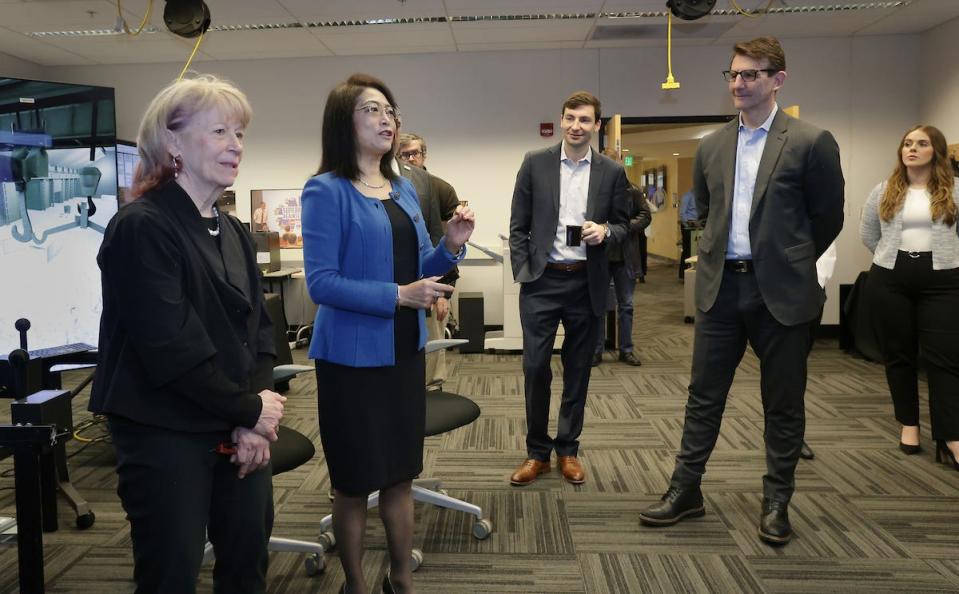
216, 219
371, 186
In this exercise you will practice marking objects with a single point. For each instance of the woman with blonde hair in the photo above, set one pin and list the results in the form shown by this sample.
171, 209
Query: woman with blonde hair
909, 223
186, 351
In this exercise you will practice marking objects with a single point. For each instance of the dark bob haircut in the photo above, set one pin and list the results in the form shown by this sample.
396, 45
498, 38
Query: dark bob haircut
339, 134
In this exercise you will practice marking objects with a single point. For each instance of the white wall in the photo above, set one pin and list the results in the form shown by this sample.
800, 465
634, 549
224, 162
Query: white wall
480, 111
939, 104
16, 68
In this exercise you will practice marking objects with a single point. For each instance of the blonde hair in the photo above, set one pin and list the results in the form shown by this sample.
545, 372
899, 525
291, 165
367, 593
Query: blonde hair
171, 110
940, 186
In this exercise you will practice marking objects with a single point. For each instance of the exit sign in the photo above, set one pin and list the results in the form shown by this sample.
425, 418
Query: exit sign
628, 160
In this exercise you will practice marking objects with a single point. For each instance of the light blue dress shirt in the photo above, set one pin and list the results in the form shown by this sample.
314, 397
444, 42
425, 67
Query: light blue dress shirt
749, 151
687, 207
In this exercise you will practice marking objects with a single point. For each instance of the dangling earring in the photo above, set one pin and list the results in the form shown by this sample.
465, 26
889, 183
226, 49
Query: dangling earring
176, 166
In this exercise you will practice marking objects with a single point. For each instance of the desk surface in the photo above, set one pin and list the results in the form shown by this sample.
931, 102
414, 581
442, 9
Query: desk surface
281, 273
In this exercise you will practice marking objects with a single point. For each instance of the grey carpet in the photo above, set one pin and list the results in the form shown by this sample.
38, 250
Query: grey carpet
867, 518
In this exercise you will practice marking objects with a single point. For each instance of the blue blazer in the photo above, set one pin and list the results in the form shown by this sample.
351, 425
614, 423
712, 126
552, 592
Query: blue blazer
348, 256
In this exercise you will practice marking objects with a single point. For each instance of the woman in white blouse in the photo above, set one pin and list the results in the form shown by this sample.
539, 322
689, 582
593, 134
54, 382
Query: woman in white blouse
909, 223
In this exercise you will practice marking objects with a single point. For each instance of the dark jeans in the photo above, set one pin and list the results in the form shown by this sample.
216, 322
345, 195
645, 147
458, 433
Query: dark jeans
556, 296
625, 285
738, 317
916, 311
176, 491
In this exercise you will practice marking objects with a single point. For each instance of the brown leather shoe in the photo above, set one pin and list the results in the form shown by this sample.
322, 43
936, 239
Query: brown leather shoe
572, 470
528, 471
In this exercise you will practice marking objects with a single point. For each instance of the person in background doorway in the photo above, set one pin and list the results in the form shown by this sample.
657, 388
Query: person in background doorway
624, 267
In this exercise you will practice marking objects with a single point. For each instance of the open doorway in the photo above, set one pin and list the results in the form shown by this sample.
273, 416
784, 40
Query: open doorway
658, 154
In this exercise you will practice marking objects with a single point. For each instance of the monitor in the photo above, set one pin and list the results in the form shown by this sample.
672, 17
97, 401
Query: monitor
58, 191
279, 211
127, 160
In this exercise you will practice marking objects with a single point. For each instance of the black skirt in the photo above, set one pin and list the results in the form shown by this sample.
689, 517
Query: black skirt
372, 419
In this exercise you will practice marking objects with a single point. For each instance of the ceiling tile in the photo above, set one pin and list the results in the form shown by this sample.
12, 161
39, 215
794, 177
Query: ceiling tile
521, 31
336, 10
235, 45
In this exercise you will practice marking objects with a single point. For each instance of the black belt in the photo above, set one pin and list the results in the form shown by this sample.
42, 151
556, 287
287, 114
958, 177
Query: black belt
567, 266
739, 265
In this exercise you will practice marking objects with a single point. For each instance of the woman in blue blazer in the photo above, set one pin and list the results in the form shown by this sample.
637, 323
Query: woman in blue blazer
371, 268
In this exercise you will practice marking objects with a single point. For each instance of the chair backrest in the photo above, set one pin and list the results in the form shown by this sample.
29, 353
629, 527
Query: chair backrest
274, 308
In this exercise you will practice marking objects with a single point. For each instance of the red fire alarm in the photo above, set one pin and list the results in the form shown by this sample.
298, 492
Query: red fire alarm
546, 129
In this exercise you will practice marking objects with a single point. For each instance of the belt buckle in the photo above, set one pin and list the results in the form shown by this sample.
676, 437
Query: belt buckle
913, 255
740, 266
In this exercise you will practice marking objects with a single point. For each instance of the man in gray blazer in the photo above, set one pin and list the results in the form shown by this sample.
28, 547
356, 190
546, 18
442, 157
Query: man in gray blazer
769, 189
568, 201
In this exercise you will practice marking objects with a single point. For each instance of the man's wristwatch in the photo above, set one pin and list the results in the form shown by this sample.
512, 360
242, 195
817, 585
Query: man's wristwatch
607, 230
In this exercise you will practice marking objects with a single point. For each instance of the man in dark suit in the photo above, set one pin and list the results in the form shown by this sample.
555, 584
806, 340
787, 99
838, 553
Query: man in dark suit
769, 189
568, 201
625, 264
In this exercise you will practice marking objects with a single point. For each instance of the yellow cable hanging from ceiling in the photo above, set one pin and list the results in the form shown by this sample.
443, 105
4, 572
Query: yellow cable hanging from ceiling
190, 61
123, 22
670, 81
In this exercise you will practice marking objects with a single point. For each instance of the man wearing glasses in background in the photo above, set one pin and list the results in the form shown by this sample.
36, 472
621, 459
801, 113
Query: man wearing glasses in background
769, 190
437, 199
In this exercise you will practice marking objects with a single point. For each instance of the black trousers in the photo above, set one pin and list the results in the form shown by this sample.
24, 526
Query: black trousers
738, 317
916, 311
176, 491
556, 296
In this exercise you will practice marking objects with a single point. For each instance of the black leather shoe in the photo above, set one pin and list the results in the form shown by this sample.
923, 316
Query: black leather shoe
676, 504
630, 358
597, 359
774, 527
909, 449
805, 452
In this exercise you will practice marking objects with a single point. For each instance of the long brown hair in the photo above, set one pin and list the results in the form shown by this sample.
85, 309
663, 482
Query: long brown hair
940, 185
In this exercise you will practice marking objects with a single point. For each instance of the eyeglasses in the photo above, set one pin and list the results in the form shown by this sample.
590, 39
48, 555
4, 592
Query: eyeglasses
374, 109
407, 155
748, 75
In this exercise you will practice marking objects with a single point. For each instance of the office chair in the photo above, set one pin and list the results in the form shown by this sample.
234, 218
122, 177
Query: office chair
292, 449
444, 412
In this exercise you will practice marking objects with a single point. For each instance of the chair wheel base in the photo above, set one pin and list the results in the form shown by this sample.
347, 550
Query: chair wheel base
417, 559
482, 529
314, 564
85, 521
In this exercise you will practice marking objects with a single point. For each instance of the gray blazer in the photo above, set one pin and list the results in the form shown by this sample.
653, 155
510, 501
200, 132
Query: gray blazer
797, 211
535, 215
883, 239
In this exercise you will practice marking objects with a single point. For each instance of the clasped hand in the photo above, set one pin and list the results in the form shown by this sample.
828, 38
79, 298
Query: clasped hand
270, 414
252, 451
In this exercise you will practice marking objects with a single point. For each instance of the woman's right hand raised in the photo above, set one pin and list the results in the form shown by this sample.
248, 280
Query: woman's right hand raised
270, 415
423, 293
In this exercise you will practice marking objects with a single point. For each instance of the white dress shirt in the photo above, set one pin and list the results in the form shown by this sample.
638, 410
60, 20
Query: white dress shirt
573, 192
749, 152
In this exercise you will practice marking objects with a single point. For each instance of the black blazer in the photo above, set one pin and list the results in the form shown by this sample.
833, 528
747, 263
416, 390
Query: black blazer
639, 218
797, 211
535, 214
185, 340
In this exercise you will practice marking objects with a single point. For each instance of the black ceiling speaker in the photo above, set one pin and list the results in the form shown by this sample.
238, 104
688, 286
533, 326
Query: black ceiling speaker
690, 10
186, 18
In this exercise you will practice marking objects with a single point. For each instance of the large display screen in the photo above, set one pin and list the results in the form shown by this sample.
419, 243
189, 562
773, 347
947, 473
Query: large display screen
58, 191
278, 210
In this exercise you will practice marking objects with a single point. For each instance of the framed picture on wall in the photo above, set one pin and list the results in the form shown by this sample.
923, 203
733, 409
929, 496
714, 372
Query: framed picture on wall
661, 178
278, 210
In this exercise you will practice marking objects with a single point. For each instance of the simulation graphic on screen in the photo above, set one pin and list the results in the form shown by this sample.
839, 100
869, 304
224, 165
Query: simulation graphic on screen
58, 191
